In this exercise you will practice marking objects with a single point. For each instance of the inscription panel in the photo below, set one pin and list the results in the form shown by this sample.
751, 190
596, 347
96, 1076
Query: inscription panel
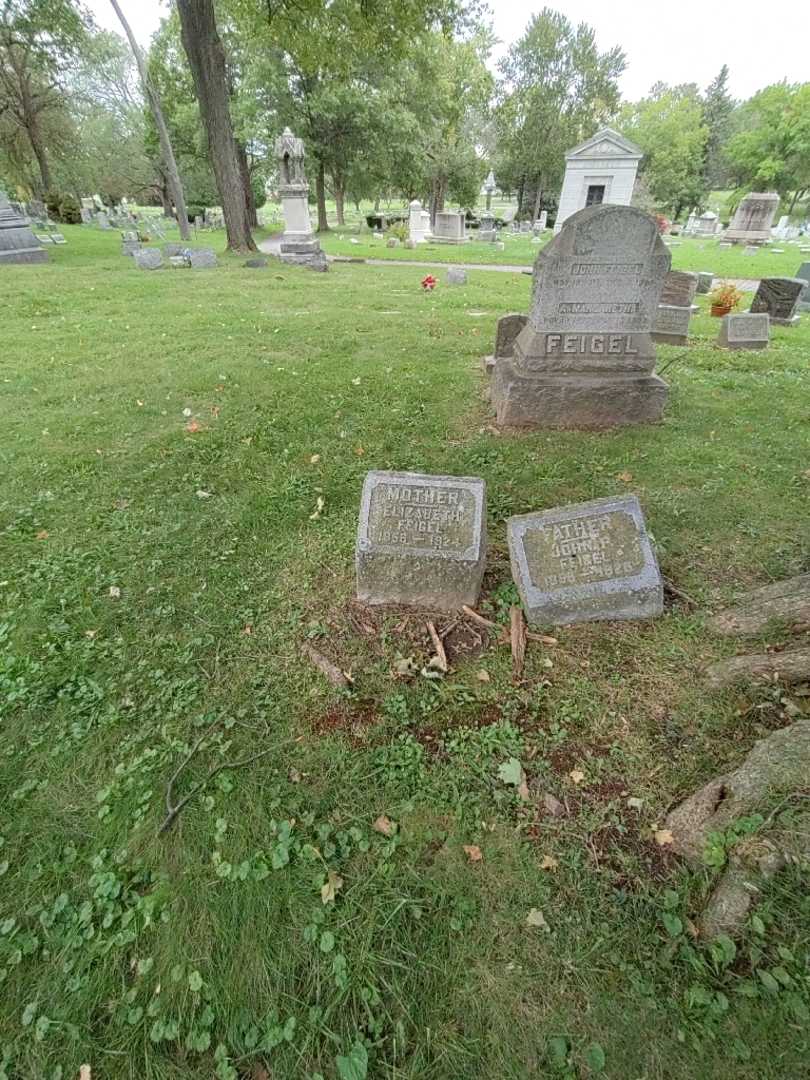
583, 551
422, 516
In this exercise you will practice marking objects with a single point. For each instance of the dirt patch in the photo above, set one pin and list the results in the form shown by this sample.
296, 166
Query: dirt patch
392, 628
357, 722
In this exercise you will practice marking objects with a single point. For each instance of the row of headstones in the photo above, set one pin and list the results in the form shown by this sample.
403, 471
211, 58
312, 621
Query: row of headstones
777, 301
422, 542
178, 256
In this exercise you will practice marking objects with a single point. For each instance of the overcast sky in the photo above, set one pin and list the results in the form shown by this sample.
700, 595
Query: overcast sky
684, 42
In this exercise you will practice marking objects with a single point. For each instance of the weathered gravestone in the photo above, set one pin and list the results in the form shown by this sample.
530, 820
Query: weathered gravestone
671, 324
803, 273
586, 356
148, 259
421, 540
173, 249
587, 562
17, 242
201, 258
753, 219
256, 264
779, 298
456, 276
509, 326
705, 282
130, 243
679, 288
298, 243
103, 222
450, 228
744, 331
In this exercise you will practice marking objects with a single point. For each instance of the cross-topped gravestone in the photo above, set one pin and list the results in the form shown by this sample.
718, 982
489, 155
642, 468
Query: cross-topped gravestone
586, 356
421, 540
586, 562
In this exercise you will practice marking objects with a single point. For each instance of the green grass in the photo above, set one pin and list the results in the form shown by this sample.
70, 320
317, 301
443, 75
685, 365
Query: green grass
689, 253
207, 951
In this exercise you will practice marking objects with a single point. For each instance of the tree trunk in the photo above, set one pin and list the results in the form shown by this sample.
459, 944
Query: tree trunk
536, 209
40, 154
206, 57
796, 196
377, 205
339, 200
166, 148
320, 193
437, 196
245, 168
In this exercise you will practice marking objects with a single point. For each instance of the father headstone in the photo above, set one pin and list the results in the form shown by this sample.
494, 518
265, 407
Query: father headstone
804, 274
753, 219
421, 540
201, 258
148, 259
586, 562
17, 242
586, 357
779, 298
705, 281
744, 331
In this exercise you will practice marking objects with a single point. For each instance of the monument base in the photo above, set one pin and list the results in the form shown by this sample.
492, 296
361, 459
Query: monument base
785, 322
448, 239
586, 402
304, 252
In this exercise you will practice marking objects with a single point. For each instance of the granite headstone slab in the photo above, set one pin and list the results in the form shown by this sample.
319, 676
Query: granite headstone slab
679, 288
587, 562
753, 218
744, 331
148, 259
705, 282
421, 540
672, 324
17, 242
779, 298
201, 258
586, 357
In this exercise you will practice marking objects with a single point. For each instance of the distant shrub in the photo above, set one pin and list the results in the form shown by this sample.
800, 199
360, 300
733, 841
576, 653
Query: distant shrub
399, 231
70, 211
53, 200
194, 211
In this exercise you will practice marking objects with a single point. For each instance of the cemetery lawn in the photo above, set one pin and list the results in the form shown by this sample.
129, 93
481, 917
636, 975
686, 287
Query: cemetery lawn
689, 253
183, 454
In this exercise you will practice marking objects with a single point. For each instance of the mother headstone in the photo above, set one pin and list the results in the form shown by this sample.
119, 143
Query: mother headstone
586, 357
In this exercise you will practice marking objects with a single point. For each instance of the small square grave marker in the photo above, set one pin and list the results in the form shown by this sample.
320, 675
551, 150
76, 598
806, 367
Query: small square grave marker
745, 331
586, 562
421, 540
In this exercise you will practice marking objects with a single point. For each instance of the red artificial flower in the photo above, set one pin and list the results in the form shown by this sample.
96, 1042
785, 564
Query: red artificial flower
429, 282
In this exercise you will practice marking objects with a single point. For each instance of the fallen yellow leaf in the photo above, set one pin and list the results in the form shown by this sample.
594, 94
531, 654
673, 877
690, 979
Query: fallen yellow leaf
536, 918
625, 477
548, 862
385, 825
333, 885
482, 676
192, 427
42, 534
577, 775
664, 838
315, 459
473, 852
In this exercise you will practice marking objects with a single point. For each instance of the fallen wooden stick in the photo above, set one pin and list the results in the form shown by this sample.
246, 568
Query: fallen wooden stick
488, 623
543, 639
174, 811
329, 670
670, 586
441, 655
518, 640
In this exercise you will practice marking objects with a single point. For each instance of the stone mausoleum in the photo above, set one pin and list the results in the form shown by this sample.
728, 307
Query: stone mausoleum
601, 170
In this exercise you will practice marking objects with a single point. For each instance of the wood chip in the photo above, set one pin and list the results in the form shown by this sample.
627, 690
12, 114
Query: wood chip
518, 640
329, 670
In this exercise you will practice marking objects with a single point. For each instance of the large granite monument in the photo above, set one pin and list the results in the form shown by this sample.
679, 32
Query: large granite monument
586, 357
421, 540
17, 242
753, 219
298, 243
586, 562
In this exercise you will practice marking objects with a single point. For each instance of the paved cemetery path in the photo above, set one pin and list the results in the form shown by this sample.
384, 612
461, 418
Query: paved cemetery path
272, 246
